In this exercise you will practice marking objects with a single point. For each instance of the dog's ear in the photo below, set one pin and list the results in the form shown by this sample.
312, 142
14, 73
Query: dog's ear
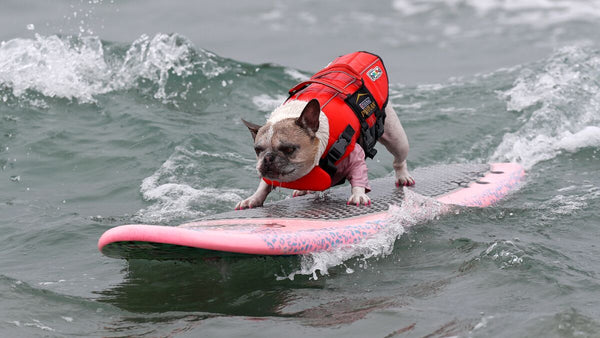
309, 119
252, 127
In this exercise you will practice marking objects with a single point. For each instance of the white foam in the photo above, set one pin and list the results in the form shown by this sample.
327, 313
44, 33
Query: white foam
533, 149
173, 197
589, 137
295, 74
268, 103
176, 201
75, 68
559, 107
509, 12
415, 209
155, 58
55, 67
506, 253
570, 200
482, 323
38, 324
566, 204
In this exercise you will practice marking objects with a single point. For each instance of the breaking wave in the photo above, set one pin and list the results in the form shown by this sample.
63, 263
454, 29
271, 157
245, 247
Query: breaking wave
165, 66
530, 12
179, 190
559, 106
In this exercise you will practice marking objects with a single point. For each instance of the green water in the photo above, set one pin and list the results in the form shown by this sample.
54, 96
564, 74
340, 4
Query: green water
96, 133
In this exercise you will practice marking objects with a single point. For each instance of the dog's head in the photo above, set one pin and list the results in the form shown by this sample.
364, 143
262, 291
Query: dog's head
287, 148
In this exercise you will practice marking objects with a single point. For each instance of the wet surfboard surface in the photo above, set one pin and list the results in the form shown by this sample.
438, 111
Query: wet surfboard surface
310, 223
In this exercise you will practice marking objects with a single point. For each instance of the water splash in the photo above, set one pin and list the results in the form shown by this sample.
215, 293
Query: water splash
172, 201
267, 103
415, 209
155, 59
82, 17
510, 12
570, 200
55, 67
504, 253
81, 68
559, 106
171, 189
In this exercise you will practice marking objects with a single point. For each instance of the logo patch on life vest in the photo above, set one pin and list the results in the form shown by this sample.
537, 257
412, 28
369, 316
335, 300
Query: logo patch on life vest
374, 73
362, 102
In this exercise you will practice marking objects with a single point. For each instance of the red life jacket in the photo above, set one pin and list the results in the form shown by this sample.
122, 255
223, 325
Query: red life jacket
352, 92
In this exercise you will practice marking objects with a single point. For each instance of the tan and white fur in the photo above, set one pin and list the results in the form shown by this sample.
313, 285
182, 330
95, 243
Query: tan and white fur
293, 140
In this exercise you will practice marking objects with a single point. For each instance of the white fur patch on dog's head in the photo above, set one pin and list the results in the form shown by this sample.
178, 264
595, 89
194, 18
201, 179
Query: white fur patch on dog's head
293, 109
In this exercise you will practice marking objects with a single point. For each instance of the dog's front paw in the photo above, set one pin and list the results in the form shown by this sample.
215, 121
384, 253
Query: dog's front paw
404, 181
249, 203
359, 197
403, 178
298, 193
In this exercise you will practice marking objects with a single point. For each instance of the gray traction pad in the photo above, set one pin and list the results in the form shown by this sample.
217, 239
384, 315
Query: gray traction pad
430, 181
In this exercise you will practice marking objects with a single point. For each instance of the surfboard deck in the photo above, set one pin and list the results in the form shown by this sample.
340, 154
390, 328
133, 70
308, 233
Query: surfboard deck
309, 223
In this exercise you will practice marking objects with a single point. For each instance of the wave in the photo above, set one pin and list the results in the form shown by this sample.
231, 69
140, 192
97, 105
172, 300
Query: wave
529, 12
172, 188
165, 66
28, 308
559, 103
55, 67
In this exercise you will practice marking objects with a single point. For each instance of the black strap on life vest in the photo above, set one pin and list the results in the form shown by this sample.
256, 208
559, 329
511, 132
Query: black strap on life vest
337, 150
364, 105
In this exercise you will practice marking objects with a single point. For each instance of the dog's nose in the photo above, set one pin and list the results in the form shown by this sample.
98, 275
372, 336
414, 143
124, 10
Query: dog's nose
269, 157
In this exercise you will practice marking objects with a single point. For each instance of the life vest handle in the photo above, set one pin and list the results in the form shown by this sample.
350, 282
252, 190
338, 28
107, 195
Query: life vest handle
339, 67
303, 84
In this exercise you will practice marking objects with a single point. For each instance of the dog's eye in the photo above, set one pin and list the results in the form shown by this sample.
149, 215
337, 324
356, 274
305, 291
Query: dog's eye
258, 150
288, 150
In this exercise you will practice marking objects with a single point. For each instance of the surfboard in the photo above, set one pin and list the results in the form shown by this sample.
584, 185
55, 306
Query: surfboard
310, 223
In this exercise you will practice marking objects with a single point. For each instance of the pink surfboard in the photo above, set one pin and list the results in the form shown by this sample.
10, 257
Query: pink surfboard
310, 223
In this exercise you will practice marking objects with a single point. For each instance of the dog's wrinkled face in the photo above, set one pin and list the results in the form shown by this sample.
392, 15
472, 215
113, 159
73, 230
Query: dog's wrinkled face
286, 149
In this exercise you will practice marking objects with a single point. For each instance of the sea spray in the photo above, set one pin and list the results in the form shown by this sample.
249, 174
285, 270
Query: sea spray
415, 209
559, 106
55, 66
155, 58
177, 191
167, 66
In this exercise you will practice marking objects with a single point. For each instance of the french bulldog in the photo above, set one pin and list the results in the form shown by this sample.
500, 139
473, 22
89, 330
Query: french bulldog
291, 142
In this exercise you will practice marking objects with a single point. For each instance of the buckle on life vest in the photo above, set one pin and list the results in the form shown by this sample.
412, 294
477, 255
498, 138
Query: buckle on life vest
368, 112
337, 150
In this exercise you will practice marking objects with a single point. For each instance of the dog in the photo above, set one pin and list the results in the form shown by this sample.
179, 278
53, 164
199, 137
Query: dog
293, 141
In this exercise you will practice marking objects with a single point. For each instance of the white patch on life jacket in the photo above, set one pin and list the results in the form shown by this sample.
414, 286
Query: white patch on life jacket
293, 109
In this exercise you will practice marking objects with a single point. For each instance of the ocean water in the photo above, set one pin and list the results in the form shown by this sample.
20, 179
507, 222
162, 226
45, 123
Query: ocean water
124, 112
